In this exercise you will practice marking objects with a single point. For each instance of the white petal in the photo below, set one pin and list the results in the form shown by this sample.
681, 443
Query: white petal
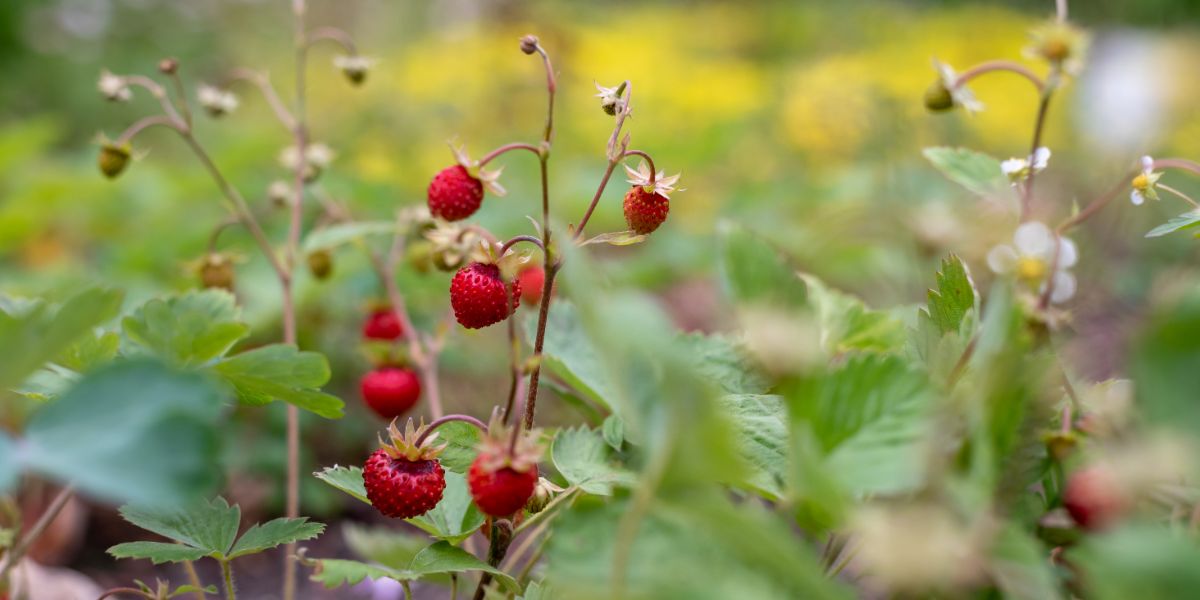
1064, 287
1034, 239
1147, 164
1041, 157
1012, 166
1002, 258
1068, 254
1136, 198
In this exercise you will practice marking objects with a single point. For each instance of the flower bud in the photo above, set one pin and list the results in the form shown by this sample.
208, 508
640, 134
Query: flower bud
113, 87
354, 68
529, 44
938, 98
215, 101
1060, 445
320, 263
168, 66
216, 272
113, 159
543, 493
279, 193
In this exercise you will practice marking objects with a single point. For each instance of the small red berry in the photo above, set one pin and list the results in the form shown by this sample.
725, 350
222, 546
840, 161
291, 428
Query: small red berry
403, 479
645, 211
503, 476
454, 194
1094, 498
531, 280
480, 297
382, 324
500, 492
390, 391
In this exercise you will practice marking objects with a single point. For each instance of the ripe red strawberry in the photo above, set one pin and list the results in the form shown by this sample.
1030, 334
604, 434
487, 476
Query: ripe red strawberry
382, 324
645, 211
404, 479
454, 194
502, 481
390, 391
480, 297
531, 280
1094, 498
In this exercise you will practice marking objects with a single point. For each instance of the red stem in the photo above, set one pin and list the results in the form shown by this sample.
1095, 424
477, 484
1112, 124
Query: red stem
438, 422
487, 158
999, 65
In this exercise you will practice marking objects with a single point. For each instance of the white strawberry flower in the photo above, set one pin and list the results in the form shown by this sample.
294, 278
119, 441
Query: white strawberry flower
216, 101
489, 177
317, 155
960, 94
113, 87
1145, 182
1019, 169
1031, 259
663, 185
354, 66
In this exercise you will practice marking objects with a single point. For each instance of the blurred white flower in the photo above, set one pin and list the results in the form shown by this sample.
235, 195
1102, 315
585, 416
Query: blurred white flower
316, 155
1031, 258
1143, 184
354, 67
1019, 169
215, 101
663, 186
113, 87
610, 98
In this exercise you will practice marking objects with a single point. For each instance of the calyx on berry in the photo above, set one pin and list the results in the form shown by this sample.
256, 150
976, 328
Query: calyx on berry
504, 475
456, 192
403, 479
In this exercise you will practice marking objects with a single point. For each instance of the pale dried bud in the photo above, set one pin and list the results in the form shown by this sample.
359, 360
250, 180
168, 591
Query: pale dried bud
279, 193
529, 44
216, 272
354, 67
168, 66
543, 493
215, 101
113, 87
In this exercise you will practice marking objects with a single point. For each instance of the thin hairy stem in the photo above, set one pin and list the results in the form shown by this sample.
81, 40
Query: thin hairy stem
14, 556
653, 172
993, 66
1177, 163
124, 590
146, 123
181, 93
1096, 205
157, 91
514, 367
522, 238
490, 156
194, 579
332, 34
227, 576
587, 215
438, 422
515, 556
260, 81
1179, 194
300, 137
1038, 127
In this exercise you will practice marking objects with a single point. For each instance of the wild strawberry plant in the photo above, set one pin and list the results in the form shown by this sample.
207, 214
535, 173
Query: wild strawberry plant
821, 448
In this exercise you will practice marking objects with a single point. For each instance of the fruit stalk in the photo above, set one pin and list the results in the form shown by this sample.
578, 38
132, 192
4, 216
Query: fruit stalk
18, 551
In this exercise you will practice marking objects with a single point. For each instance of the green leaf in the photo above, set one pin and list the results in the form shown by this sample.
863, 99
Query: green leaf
613, 431
582, 457
344, 233
281, 372
188, 329
275, 533
385, 545
1020, 568
456, 517
209, 526
1166, 360
871, 419
761, 427
978, 172
91, 351
439, 558
754, 272
135, 430
724, 363
42, 331
1146, 562
157, 552
617, 238
1187, 220
191, 589
462, 443
569, 354
347, 479
848, 325
954, 297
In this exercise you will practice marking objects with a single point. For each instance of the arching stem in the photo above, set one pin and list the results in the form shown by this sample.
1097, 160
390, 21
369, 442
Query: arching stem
487, 158
468, 419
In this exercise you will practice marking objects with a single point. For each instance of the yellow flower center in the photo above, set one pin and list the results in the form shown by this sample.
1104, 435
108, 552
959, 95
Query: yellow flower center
1030, 269
1141, 183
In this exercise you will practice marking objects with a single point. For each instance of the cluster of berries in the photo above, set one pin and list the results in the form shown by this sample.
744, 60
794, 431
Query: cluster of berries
404, 478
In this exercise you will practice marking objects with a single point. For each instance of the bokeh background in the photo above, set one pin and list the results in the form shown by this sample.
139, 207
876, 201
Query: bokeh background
802, 120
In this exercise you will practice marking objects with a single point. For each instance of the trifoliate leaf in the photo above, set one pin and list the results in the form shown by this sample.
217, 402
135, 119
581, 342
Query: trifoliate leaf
582, 457
274, 533
157, 552
42, 331
281, 372
190, 329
